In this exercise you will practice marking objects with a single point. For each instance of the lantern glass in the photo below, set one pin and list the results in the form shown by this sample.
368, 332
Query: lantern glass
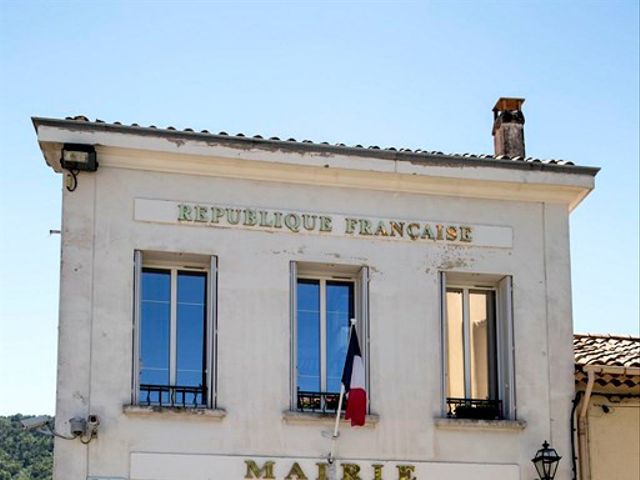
546, 462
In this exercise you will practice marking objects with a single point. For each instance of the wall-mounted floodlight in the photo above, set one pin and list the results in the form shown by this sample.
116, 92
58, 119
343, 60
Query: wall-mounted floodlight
77, 158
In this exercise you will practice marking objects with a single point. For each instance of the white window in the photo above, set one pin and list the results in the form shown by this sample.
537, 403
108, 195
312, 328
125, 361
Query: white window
174, 330
477, 346
324, 299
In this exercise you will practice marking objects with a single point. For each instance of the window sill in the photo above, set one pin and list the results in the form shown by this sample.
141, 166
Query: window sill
314, 418
475, 424
214, 414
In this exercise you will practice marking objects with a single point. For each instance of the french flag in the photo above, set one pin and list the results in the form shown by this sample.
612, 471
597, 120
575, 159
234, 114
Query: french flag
353, 382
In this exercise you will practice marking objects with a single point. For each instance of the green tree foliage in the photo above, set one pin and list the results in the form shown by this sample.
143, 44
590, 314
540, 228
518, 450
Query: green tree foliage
24, 455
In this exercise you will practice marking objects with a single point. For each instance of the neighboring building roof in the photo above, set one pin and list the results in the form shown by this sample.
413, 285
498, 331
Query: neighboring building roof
391, 153
608, 351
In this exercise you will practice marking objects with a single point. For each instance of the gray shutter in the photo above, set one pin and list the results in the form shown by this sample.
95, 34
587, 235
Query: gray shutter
506, 357
362, 326
212, 333
293, 308
137, 279
443, 342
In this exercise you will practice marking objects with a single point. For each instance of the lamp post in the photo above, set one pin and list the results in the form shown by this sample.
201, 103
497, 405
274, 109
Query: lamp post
546, 462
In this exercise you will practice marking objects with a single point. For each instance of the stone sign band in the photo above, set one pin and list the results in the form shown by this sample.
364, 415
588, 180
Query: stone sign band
168, 466
296, 222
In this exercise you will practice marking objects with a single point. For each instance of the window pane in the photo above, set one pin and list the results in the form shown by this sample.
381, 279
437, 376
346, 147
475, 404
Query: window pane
190, 333
308, 333
154, 327
481, 331
339, 298
455, 344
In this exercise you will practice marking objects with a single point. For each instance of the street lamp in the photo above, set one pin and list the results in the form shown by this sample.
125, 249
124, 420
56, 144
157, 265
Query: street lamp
546, 462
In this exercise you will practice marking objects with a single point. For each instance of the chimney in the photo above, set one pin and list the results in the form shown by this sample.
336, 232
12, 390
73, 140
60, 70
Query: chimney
508, 127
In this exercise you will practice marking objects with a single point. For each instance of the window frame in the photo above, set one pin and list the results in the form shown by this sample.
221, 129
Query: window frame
176, 263
359, 276
504, 360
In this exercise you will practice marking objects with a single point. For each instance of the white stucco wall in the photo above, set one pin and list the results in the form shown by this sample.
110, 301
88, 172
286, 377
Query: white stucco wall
95, 347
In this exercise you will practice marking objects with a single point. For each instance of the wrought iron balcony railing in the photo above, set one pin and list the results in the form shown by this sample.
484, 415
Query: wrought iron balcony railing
172, 396
319, 402
474, 408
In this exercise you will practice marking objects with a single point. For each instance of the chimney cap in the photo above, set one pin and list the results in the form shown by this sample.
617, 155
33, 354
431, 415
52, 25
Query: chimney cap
508, 104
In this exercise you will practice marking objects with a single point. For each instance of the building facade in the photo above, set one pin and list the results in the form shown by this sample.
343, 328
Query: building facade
208, 282
607, 406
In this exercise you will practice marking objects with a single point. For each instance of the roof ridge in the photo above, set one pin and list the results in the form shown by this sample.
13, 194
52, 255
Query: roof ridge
608, 335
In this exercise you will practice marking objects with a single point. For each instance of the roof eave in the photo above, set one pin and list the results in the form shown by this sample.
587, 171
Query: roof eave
303, 147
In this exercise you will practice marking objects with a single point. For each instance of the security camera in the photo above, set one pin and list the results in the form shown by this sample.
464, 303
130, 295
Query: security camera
77, 426
35, 422
93, 421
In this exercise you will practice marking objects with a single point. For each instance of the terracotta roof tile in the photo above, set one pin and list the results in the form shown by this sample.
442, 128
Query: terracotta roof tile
82, 118
610, 351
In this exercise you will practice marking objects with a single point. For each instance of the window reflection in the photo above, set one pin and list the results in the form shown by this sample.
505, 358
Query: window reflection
339, 313
317, 370
155, 326
471, 349
190, 331
455, 344
308, 341
161, 379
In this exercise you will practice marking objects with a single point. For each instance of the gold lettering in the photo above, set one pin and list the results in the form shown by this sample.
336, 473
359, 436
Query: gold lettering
306, 222
452, 233
465, 234
277, 219
292, 222
184, 213
405, 472
263, 219
350, 225
297, 471
233, 216
377, 468
201, 214
250, 217
216, 214
350, 471
413, 230
397, 227
439, 232
427, 232
381, 230
325, 224
365, 227
254, 472
322, 471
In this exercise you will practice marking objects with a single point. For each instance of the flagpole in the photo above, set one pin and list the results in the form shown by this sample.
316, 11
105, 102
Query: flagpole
336, 434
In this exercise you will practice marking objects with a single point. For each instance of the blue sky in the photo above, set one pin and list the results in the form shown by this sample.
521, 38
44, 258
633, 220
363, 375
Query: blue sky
418, 74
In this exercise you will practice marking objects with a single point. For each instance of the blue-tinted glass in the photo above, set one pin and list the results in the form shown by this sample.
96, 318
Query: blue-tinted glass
339, 312
154, 327
308, 333
191, 325
156, 285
